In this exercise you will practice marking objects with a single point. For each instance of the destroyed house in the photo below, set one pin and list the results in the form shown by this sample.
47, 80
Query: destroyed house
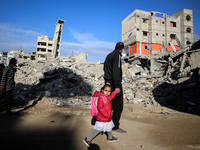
153, 32
49, 48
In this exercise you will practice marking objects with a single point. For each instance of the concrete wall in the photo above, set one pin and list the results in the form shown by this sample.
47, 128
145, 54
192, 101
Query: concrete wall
156, 28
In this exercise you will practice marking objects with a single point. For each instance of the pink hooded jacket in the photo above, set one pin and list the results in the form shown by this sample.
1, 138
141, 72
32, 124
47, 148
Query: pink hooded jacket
104, 108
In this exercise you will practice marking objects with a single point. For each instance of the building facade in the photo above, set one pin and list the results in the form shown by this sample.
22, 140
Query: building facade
49, 48
153, 32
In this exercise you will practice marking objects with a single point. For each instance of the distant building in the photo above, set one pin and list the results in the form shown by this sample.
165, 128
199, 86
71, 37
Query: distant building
3, 57
153, 32
48, 48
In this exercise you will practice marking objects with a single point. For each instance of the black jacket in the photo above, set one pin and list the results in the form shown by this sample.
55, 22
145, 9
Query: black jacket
113, 68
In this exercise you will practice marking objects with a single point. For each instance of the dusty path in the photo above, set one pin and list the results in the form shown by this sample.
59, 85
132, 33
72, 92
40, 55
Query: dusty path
44, 127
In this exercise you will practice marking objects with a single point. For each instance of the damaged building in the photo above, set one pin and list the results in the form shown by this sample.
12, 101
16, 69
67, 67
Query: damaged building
47, 48
153, 41
153, 32
154, 72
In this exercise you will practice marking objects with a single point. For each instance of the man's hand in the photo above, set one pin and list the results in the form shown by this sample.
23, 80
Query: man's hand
117, 90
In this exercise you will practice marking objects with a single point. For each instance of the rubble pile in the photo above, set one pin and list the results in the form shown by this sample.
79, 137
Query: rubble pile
169, 80
65, 81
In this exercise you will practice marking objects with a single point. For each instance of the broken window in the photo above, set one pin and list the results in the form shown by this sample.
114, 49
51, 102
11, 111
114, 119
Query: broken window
32, 57
41, 56
188, 30
42, 43
173, 24
163, 22
159, 15
25, 57
146, 47
188, 18
188, 43
49, 44
144, 33
156, 34
172, 36
163, 35
49, 50
41, 49
145, 20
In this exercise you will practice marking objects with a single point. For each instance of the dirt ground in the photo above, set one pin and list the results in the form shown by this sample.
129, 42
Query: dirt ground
41, 126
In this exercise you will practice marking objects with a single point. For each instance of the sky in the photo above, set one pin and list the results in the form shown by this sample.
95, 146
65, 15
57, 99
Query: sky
91, 26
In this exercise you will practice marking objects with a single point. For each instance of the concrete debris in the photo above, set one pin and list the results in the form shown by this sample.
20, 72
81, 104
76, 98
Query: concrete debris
171, 79
167, 80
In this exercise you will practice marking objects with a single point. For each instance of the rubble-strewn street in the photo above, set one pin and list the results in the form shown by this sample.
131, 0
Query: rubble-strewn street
161, 96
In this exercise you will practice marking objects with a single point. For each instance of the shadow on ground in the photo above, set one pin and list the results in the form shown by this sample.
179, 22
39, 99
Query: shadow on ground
60, 84
182, 97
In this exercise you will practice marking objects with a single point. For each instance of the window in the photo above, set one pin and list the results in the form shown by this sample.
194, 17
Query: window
173, 24
188, 18
163, 35
49, 50
188, 42
43, 49
41, 56
144, 33
49, 44
159, 15
163, 22
145, 20
172, 36
156, 34
42, 43
146, 47
188, 30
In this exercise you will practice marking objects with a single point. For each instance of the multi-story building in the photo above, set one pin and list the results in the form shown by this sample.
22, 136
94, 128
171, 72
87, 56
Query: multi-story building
48, 48
153, 32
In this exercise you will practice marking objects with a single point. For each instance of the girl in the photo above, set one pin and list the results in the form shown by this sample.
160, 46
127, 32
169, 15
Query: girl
104, 116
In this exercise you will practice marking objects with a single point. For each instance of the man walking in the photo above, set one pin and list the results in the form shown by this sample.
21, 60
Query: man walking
113, 76
8, 84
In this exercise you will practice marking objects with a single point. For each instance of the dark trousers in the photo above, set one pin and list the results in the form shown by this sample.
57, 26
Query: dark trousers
117, 106
9, 100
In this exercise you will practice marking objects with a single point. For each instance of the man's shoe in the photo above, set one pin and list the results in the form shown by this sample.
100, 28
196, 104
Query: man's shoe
114, 139
119, 130
88, 143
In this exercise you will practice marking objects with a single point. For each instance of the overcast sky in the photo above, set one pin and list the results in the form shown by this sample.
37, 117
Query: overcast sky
91, 26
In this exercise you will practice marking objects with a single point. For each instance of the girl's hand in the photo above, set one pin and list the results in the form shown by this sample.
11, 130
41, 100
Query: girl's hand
117, 90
